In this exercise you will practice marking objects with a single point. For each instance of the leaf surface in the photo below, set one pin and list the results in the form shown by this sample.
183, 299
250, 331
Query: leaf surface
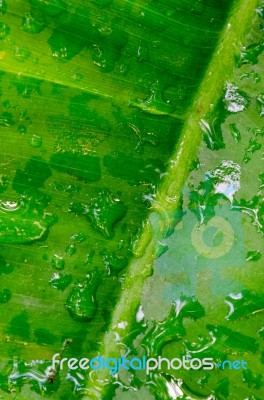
101, 104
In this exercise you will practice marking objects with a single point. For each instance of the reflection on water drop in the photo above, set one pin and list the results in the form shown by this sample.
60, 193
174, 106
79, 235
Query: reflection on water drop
81, 302
105, 211
57, 261
260, 104
32, 24
6, 119
253, 255
250, 54
243, 305
3, 7
5, 296
235, 132
212, 136
4, 181
235, 100
226, 179
60, 281
35, 141
22, 129
4, 30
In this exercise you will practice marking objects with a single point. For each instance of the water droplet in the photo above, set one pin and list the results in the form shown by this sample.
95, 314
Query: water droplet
4, 30
6, 119
260, 104
77, 77
250, 54
252, 147
89, 257
226, 178
123, 69
57, 261
5, 296
81, 302
235, 100
24, 221
6, 104
253, 255
35, 141
79, 237
60, 281
4, 267
114, 262
155, 102
105, 211
3, 7
212, 137
255, 76
22, 129
254, 209
32, 24
34, 373
70, 250
4, 182
171, 327
143, 52
235, 132
244, 304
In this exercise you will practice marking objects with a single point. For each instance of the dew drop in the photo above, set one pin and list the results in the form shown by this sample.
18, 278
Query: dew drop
250, 54
226, 178
32, 24
6, 119
4, 30
81, 302
4, 182
5, 296
35, 141
60, 281
3, 7
57, 262
70, 250
212, 137
115, 262
260, 104
105, 211
235, 100
235, 132
22, 129
253, 256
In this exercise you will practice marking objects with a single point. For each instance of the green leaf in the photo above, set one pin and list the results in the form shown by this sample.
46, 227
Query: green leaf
103, 108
